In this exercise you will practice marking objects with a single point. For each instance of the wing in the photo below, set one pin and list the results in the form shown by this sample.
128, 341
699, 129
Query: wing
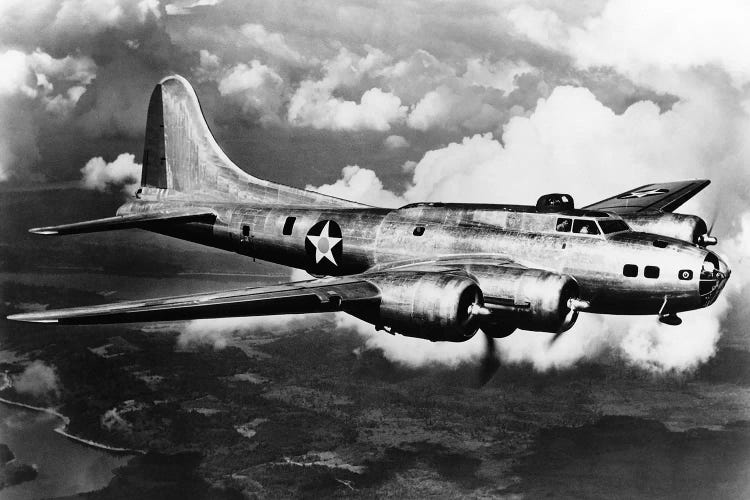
664, 197
320, 295
128, 221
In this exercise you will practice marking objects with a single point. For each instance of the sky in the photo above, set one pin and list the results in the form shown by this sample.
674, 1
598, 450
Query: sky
395, 102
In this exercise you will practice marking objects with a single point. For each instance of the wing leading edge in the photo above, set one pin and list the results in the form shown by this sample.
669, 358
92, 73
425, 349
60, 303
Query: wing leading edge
323, 295
664, 197
127, 221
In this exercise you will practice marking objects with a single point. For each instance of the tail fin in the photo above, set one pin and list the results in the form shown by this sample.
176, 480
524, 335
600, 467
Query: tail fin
182, 156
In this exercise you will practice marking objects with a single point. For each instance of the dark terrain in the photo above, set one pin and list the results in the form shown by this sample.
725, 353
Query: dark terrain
302, 409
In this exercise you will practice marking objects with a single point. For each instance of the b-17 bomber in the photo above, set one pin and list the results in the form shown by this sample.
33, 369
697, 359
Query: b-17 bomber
436, 271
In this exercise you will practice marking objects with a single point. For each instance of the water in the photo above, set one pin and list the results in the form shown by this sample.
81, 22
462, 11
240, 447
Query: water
65, 467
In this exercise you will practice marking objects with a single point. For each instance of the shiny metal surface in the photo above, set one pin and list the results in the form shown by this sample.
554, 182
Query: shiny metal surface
430, 270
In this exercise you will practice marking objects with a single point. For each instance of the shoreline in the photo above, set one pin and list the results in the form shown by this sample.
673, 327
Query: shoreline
61, 429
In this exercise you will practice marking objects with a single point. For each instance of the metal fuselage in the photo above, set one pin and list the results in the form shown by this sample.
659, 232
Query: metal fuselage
483, 234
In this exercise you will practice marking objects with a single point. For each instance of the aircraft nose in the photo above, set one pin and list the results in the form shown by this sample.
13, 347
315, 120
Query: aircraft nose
714, 275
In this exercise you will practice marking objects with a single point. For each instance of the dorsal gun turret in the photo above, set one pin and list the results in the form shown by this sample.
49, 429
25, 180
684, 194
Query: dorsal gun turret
554, 202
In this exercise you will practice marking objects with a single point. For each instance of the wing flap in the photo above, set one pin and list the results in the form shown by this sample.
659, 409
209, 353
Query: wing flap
127, 222
665, 197
291, 298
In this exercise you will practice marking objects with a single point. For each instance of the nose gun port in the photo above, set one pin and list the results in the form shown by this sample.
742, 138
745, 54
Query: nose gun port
713, 277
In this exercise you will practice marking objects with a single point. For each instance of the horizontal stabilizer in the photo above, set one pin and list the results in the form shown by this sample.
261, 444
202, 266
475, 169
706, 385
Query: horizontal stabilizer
322, 295
143, 220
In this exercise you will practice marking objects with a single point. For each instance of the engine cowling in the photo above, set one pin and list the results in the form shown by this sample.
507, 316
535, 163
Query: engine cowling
529, 299
432, 305
680, 226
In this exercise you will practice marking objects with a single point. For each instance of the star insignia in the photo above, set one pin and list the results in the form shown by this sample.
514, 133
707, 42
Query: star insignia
323, 244
643, 194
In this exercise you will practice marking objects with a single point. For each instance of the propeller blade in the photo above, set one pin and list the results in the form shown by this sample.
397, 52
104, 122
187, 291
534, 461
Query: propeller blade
714, 218
554, 338
490, 361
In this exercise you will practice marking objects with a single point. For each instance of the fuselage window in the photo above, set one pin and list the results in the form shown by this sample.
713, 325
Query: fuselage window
613, 226
418, 231
245, 231
585, 226
685, 274
651, 272
563, 225
630, 270
288, 226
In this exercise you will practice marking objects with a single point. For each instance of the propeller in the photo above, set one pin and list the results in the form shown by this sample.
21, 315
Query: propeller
490, 362
575, 305
705, 240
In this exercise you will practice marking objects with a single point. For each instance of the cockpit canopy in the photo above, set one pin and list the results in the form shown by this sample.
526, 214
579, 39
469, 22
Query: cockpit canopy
554, 202
581, 225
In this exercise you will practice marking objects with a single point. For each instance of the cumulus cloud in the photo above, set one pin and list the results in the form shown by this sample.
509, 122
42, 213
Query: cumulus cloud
360, 184
122, 173
36, 74
395, 142
314, 106
256, 87
70, 21
468, 108
33, 86
631, 36
500, 75
313, 103
38, 379
270, 42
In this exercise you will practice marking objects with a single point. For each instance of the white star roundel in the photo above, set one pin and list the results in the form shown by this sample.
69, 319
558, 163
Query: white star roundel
643, 194
324, 242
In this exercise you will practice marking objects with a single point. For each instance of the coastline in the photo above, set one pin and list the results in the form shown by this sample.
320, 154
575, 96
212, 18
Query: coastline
61, 429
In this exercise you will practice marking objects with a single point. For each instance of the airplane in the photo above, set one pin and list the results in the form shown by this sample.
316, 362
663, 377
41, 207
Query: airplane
435, 271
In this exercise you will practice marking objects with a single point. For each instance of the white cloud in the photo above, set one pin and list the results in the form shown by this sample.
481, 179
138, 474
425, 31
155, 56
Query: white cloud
38, 379
71, 19
122, 173
257, 87
33, 87
314, 106
273, 43
639, 37
209, 66
501, 75
32, 74
467, 108
313, 103
362, 185
395, 142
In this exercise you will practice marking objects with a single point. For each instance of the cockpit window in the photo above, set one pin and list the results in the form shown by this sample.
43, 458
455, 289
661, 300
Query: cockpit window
613, 226
585, 226
563, 225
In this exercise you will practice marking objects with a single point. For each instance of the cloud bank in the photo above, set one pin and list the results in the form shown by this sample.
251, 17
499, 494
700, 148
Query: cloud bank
38, 379
121, 174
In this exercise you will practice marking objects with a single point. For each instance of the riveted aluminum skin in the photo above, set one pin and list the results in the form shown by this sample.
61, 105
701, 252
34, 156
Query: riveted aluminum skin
428, 305
422, 266
678, 226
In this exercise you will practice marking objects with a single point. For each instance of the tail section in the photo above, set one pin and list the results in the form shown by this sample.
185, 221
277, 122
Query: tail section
182, 157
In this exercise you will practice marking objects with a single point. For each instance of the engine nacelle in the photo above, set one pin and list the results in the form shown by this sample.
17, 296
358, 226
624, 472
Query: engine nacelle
434, 306
680, 226
529, 299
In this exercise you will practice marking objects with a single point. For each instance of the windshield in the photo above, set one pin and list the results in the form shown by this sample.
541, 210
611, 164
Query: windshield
613, 226
585, 226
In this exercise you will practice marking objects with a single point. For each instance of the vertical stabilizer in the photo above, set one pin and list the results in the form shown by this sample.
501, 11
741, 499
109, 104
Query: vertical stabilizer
181, 156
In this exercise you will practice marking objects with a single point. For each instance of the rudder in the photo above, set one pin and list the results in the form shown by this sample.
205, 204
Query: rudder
181, 156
